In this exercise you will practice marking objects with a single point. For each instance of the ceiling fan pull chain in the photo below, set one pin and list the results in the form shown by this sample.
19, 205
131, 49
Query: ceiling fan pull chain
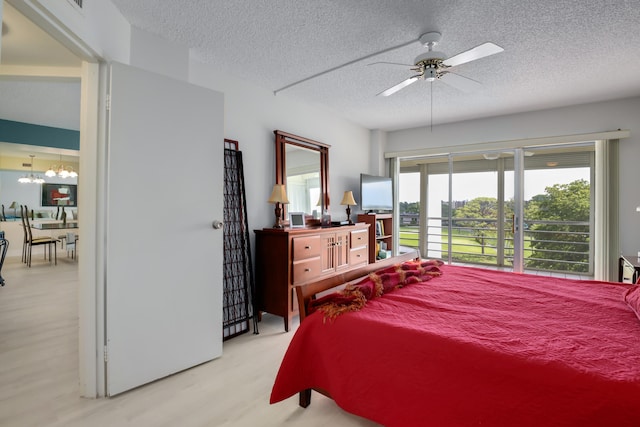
431, 112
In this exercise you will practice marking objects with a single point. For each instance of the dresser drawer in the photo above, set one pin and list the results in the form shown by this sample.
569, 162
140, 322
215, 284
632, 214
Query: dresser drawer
304, 271
359, 238
359, 256
305, 247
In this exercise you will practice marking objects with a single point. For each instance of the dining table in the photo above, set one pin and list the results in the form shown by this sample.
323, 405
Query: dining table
54, 225
51, 226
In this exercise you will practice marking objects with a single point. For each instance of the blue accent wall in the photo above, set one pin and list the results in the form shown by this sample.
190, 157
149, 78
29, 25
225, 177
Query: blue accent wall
44, 136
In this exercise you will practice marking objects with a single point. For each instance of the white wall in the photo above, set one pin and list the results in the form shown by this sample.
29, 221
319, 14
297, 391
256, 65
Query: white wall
251, 116
587, 118
151, 52
100, 26
251, 113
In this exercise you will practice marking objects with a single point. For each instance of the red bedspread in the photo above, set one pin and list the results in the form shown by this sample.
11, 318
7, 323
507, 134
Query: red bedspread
477, 347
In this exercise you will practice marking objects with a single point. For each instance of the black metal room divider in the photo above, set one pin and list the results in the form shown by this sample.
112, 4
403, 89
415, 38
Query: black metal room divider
239, 288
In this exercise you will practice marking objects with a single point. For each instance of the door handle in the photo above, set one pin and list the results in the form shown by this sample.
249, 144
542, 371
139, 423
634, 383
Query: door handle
217, 225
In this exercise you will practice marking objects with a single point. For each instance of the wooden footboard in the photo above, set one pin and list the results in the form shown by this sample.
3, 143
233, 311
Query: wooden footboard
307, 292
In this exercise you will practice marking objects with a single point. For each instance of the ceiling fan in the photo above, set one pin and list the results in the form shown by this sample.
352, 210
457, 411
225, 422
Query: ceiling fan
433, 65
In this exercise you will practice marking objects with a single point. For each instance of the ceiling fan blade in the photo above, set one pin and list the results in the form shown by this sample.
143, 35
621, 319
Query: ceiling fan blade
485, 49
399, 86
346, 64
391, 63
461, 83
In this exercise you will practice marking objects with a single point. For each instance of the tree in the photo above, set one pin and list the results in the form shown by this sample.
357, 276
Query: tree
553, 238
409, 207
479, 214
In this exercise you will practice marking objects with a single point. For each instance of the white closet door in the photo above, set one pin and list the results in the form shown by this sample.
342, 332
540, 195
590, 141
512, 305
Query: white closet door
163, 258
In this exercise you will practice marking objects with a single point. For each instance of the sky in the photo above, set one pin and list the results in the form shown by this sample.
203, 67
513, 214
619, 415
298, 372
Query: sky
468, 186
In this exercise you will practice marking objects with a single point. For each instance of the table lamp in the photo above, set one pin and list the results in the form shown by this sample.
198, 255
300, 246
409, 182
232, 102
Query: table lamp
278, 195
348, 200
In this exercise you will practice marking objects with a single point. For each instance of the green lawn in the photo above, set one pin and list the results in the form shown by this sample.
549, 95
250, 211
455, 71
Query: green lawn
461, 243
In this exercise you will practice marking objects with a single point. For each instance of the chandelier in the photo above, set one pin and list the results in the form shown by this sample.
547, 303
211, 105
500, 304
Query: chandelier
61, 171
31, 178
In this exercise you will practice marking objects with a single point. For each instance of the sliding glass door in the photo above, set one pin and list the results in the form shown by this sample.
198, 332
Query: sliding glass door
558, 213
521, 209
481, 209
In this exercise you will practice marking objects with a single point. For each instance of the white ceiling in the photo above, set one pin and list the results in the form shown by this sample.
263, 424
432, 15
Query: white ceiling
557, 52
47, 102
25, 44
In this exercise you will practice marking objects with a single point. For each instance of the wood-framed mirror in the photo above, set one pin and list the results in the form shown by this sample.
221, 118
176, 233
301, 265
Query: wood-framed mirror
302, 164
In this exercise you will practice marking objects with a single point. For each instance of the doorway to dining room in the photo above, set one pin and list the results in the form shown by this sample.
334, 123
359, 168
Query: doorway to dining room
40, 88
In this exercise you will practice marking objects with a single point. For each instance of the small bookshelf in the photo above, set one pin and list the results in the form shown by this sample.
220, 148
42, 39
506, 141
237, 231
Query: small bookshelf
380, 233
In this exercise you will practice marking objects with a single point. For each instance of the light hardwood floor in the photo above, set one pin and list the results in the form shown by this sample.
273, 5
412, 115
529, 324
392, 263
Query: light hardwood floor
39, 369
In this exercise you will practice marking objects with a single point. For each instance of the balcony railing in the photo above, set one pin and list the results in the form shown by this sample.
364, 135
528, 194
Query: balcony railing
554, 246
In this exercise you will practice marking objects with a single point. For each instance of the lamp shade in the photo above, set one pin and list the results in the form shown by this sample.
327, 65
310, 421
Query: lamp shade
348, 199
278, 194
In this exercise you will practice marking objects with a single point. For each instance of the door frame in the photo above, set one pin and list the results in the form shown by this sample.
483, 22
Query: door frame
90, 197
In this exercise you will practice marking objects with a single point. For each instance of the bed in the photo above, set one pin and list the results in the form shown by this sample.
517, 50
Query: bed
473, 347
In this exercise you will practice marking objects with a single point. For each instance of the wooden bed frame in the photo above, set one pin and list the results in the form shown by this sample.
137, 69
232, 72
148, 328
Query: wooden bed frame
306, 293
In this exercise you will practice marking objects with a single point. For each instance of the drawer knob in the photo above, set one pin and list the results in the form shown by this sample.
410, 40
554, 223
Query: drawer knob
307, 247
307, 270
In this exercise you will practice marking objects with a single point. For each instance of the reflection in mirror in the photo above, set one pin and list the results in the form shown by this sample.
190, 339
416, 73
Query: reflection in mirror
303, 180
302, 164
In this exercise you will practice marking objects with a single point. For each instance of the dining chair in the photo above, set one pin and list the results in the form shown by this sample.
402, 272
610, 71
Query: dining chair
63, 218
39, 241
71, 239
4, 244
26, 234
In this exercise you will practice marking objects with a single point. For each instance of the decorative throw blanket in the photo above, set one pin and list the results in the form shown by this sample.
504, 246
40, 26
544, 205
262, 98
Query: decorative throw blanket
632, 298
354, 296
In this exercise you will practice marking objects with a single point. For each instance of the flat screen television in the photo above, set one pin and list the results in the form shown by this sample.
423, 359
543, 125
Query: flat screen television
59, 195
376, 193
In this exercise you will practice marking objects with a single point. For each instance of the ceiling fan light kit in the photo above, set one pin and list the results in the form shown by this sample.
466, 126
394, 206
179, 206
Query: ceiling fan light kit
433, 65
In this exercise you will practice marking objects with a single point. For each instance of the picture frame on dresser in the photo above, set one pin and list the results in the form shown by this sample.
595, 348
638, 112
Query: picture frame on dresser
296, 220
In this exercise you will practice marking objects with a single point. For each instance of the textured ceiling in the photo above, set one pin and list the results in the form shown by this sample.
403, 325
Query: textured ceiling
36, 100
557, 52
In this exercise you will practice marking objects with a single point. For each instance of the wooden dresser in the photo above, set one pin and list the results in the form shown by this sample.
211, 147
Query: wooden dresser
288, 257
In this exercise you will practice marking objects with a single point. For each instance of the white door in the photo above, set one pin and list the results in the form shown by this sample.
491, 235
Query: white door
163, 257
